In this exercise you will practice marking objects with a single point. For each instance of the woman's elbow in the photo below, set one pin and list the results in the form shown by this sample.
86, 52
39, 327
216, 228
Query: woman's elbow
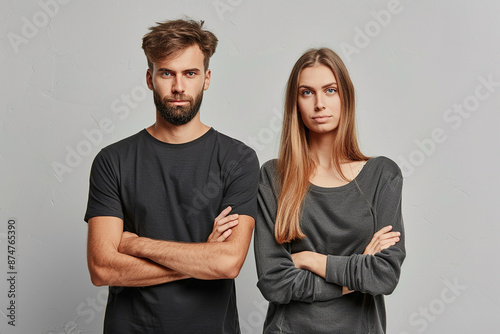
384, 290
273, 297
272, 293
390, 285
384, 286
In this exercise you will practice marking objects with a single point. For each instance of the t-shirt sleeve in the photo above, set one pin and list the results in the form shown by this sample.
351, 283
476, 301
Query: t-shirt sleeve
104, 193
278, 279
241, 181
379, 273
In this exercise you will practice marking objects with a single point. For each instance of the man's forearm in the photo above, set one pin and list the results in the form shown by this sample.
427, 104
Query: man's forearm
198, 260
130, 271
208, 260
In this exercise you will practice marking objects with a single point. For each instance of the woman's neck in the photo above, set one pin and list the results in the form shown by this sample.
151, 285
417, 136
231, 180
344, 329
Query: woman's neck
326, 174
321, 149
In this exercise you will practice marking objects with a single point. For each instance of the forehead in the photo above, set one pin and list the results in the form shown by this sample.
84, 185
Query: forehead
317, 75
188, 58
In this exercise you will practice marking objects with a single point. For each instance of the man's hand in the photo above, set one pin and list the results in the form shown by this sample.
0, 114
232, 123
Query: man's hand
223, 225
381, 240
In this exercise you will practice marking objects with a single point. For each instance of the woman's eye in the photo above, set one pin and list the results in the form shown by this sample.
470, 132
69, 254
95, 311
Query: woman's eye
306, 92
331, 90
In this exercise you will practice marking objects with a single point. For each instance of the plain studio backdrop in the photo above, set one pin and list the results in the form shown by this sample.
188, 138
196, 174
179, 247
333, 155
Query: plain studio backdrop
427, 79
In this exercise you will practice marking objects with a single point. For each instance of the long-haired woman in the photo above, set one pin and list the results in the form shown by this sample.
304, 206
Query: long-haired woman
329, 238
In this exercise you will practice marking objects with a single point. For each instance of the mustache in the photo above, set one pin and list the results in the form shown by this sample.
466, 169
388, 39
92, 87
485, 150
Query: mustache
178, 97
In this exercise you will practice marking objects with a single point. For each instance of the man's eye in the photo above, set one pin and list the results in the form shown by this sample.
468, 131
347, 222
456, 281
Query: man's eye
191, 74
166, 74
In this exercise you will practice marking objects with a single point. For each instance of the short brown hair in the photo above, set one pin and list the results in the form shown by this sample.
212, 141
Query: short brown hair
168, 38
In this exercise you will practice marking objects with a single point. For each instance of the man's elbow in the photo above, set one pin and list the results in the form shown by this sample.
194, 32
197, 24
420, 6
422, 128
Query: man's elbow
231, 267
98, 277
231, 273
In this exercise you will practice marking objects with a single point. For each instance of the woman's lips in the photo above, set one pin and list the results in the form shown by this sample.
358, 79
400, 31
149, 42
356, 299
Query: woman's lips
321, 118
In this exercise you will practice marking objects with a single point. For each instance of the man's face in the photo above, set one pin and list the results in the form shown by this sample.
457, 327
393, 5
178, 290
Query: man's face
178, 84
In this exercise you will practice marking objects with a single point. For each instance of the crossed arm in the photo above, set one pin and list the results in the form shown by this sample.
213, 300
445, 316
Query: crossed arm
311, 277
316, 262
120, 258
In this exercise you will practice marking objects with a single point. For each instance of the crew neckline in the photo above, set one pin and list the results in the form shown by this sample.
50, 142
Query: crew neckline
151, 138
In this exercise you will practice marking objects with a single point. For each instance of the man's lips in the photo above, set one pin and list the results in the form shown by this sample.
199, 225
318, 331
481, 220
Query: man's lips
178, 101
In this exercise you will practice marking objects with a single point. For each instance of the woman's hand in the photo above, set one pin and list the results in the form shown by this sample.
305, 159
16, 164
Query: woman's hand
223, 225
381, 240
311, 261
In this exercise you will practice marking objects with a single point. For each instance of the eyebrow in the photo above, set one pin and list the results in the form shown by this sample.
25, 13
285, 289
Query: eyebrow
197, 70
324, 86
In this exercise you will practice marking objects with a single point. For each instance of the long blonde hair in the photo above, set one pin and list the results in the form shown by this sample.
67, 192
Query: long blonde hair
295, 163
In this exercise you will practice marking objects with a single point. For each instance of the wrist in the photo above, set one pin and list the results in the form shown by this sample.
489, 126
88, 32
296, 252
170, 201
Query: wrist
317, 264
311, 261
306, 260
139, 247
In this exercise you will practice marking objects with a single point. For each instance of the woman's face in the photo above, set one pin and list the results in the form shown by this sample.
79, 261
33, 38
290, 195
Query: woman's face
318, 99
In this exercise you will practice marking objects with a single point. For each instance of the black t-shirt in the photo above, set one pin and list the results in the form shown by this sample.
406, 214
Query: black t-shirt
173, 192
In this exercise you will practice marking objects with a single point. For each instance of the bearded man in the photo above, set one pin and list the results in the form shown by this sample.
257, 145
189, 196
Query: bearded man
171, 209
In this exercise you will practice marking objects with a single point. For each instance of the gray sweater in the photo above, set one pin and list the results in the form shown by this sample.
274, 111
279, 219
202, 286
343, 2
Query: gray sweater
338, 222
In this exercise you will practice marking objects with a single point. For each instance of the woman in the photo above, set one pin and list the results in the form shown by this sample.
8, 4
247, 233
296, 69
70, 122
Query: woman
329, 237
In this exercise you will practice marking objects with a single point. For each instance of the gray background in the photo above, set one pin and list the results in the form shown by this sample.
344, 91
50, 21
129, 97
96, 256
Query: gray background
428, 90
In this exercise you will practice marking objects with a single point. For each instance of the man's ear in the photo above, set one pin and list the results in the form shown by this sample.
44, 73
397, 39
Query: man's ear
207, 79
149, 79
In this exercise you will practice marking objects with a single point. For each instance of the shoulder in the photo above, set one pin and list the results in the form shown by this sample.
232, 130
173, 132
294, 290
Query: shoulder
269, 173
270, 167
382, 174
384, 167
227, 141
123, 144
113, 155
235, 150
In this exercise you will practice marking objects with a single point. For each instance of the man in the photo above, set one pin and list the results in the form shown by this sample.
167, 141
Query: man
171, 209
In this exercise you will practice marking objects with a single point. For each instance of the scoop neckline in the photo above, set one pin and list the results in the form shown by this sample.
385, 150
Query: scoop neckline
344, 186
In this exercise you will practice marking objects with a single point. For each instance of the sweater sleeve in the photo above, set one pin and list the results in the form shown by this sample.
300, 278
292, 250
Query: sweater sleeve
375, 274
278, 279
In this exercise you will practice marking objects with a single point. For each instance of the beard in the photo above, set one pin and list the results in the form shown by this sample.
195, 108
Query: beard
177, 115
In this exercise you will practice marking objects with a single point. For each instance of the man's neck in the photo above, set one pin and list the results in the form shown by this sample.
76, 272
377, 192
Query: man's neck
177, 134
